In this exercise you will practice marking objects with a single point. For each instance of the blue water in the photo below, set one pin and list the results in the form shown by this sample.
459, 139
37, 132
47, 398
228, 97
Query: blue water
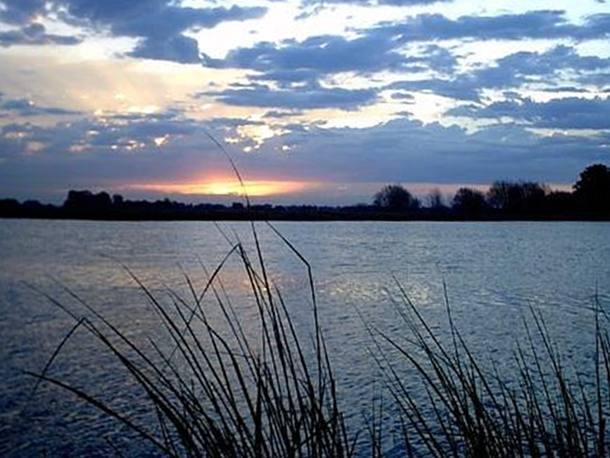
493, 272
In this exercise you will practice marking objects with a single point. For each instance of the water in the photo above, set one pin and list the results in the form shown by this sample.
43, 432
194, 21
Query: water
493, 273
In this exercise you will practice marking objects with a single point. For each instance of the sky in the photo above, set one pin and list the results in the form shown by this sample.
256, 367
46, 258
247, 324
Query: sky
316, 102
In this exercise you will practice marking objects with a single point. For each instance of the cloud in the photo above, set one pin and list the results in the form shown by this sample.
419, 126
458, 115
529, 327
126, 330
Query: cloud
21, 12
294, 63
410, 47
181, 49
305, 60
116, 134
35, 34
552, 61
563, 113
408, 151
27, 108
277, 114
376, 2
160, 24
112, 153
540, 24
312, 96
98, 153
550, 69
162, 30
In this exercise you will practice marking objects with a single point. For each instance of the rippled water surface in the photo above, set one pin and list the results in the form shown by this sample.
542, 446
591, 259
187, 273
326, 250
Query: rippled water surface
493, 273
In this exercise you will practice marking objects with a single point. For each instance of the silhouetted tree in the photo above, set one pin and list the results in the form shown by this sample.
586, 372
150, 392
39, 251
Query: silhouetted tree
395, 197
469, 201
117, 200
517, 197
435, 199
86, 201
592, 190
560, 203
9, 207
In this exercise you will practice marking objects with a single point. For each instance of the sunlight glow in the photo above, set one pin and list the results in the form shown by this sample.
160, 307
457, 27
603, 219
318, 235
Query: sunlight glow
160, 141
228, 188
258, 134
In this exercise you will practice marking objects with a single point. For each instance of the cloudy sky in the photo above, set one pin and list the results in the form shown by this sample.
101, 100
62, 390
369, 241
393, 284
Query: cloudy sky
316, 101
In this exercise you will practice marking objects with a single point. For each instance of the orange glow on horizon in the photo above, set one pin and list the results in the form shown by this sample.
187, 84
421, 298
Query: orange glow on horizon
262, 188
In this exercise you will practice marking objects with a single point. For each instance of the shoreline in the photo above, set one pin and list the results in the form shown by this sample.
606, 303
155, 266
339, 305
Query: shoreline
309, 218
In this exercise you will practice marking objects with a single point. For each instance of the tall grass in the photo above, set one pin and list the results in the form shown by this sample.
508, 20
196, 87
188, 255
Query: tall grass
218, 390
470, 409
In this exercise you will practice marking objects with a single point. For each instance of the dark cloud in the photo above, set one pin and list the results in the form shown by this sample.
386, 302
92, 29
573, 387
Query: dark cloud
162, 30
104, 153
563, 113
160, 24
554, 60
551, 69
181, 49
35, 34
89, 150
231, 123
406, 150
109, 153
463, 87
320, 55
407, 47
277, 114
299, 98
403, 97
21, 12
599, 24
27, 108
541, 24
136, 129
314, 59
375, 2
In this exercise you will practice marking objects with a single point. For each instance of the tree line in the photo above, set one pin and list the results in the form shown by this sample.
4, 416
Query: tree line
589, 199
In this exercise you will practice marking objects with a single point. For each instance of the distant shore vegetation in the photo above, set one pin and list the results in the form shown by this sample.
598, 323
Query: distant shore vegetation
503, 200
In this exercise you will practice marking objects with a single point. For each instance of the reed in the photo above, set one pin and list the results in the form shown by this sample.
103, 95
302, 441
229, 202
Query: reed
217, 390
470, 409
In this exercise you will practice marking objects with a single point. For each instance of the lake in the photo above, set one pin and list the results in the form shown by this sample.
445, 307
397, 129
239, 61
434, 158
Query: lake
494, 274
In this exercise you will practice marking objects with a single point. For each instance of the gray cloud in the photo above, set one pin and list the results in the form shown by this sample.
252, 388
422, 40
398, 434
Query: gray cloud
105, 153
98, 135
160, 24
403, 150
305, 97
314, 57
373, 2
293, 64
541, 24
27, 108
564, 113
277, 114
21, 11
406, 47
550, 69
181, 49
161, 30
35, 34
409, 151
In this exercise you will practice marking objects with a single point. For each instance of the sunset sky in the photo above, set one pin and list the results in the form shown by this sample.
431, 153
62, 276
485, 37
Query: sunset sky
316, 101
